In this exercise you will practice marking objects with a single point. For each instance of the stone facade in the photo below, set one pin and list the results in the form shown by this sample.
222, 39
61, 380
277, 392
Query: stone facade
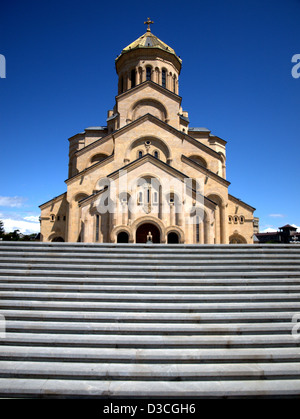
147, 171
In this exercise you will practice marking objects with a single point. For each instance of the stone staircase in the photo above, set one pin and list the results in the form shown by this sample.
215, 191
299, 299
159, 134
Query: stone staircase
149, 321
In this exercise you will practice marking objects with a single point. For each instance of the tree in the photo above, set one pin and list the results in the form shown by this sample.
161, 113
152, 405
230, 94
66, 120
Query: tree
2, 231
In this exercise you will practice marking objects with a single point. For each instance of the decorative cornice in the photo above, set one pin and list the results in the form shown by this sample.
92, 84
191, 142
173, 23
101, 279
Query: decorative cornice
205, 170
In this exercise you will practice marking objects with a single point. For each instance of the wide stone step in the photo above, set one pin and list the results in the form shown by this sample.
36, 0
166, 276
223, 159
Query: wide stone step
139, 297
205, 281
154, 268
153, 306
92, 323
208, 290
65, 339
137, 256
157, 389
151, 264
244, 307
128, 275
149, 355
157, 371
120, 320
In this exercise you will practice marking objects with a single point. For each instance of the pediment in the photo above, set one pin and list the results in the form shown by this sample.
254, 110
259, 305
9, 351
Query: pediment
150, 167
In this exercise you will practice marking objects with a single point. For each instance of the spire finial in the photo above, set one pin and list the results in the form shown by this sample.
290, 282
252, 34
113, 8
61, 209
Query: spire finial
148, 22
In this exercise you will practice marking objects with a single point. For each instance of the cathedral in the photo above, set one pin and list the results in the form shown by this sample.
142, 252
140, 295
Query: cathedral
147, 176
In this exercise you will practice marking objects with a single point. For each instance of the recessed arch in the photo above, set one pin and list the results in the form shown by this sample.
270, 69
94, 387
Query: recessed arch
96, 158
177, 230
152, 220
79, 196
147, 105
123, 237
57, 239
156, 144
146, 230
237, 238
173, 238
199, 160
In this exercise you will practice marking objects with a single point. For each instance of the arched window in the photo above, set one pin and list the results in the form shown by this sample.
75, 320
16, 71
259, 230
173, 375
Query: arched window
156, 154
242, 219
140, 154
164, 78
174, 84
148, 73
230, 219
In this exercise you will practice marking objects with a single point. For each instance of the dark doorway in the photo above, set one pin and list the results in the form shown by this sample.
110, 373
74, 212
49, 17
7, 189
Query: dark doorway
58, 240
122, 237
173, 238
143, 231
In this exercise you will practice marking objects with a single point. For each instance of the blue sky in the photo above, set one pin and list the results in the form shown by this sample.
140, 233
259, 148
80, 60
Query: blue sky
236, 80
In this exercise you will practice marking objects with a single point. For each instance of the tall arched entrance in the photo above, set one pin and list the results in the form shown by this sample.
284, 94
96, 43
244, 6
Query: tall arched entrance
143, 231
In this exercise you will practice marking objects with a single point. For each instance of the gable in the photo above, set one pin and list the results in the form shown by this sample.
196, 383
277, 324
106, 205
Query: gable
148, 167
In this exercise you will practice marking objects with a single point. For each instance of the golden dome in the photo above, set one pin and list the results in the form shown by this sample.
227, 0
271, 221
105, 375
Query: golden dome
149, 40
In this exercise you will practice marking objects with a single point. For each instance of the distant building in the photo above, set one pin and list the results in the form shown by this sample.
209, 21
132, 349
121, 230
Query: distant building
286, 234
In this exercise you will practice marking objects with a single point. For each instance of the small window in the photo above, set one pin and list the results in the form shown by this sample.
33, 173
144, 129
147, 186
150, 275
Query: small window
174, 84
163, 78
242, 219
197, 229
155, 197
64, 218
148, 73
140, 198
133, 82
97, 227
52, 217
156, 155
235, 219
230, 219
58, 218
140, 154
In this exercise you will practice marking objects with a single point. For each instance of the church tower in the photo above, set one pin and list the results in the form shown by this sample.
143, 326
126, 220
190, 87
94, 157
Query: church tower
146, 174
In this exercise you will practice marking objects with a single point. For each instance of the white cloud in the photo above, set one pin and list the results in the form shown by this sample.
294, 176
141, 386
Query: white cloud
33, 218
25, 227
12, 201
298, 228
269, 230
277, 215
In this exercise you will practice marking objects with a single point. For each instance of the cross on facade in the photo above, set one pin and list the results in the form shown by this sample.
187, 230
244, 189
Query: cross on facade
148, 22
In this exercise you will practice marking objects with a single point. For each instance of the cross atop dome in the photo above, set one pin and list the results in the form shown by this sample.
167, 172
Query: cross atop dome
148, 22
